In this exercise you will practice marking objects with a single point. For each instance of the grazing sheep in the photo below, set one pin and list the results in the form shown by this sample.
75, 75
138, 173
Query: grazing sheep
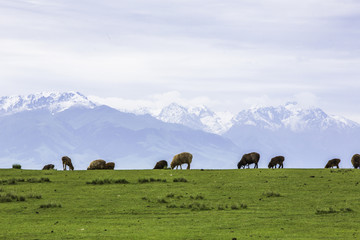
66, 161
181, 158
248, 159
161, 164
355, 160
48, 167
333, 163
110, 165
278, 160
97, 164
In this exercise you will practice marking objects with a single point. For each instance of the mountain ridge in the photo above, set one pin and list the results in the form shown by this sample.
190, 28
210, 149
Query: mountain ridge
39, 129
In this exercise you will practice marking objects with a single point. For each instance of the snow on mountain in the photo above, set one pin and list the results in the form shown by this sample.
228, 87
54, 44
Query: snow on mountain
199, 117
307, 137
52, 101
34, 136
292, 117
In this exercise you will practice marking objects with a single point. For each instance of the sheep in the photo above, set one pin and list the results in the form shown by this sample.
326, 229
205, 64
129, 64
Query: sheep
181, 158
66, 161
333, 163
355, 160
97, 164
48, 167
161, 164
110, 165
277, 160
248, 159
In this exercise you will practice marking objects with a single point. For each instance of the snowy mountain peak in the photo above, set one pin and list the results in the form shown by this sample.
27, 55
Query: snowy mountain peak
293, 117
199, 117
53, 101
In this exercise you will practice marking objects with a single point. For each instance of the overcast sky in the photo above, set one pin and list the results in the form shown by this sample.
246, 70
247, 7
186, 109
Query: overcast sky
227, 54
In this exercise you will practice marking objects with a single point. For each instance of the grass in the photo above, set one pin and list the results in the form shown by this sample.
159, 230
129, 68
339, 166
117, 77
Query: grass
216, 204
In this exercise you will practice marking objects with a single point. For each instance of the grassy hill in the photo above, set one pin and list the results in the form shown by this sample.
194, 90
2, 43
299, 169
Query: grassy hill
175, 204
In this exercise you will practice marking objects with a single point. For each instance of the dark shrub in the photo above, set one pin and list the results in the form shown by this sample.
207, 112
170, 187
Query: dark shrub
16, 166
180, 180
50, 205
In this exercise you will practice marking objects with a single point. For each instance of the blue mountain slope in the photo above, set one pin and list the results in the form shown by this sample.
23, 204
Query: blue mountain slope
34, 138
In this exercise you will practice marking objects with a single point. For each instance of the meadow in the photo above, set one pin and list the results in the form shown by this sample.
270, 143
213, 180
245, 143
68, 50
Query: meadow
180, 204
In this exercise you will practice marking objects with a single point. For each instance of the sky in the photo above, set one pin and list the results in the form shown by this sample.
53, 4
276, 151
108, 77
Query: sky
229, 55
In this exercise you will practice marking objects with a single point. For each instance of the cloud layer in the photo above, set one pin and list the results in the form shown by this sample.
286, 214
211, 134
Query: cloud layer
236, 53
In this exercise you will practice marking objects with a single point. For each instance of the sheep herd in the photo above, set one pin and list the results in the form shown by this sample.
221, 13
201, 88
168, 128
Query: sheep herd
186, 158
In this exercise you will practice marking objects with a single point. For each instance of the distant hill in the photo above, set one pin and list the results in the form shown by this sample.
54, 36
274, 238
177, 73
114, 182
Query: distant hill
40, 128
306, 137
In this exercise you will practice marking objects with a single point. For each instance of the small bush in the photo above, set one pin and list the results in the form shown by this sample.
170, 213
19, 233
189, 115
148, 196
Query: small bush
50, 205
326, 211
235, 206
107, 181
16, 166
197, 197
243, 206
34, 196
11, 197
221, 207
162, 200
35, 180
171, 206
12, 181
145, 180
170, 195
346, 210
331, 210
198, 207
179, 180
122, 181
272, 194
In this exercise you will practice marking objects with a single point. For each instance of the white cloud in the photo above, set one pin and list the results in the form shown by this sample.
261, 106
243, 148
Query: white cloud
232, 53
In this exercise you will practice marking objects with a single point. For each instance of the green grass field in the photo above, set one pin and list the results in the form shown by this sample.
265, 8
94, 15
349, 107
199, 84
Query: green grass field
211, 204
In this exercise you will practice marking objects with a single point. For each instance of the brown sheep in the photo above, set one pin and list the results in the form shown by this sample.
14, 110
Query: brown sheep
180, 159
161, 164
248, 159
97, 164
110, 165
333, 163
48, 167
278, 160
355, 160
66, 161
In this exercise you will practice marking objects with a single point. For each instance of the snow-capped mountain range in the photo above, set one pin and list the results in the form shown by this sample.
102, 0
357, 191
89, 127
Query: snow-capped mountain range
44, 126
292, 117
53, 101
288, 116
